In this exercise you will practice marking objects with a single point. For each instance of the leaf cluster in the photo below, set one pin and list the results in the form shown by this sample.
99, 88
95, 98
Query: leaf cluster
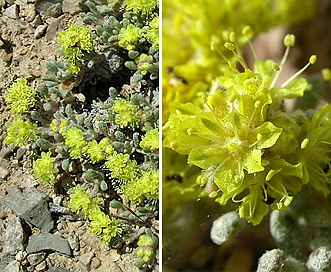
147, 245
20, 132
44, 169
75, 42
101, 224
20, 96
137, 32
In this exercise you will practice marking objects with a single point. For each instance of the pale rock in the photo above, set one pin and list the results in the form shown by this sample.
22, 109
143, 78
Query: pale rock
11, 12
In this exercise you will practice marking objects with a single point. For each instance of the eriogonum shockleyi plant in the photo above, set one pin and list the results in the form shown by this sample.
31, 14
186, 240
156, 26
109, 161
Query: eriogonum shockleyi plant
249, 149
20, 96
75, 42
44, 169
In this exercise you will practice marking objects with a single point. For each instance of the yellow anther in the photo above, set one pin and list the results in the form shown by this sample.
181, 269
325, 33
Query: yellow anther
232, 66
257, 104
326, 73
304, 143
289, 40
189, 131
270, 175
275, 67
213, 194
312, 59
246, 31
232, 37
201, 180
229, 46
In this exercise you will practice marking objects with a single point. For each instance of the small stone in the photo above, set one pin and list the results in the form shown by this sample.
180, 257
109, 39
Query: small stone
54, 10
1, 225
82, 244
41, 267
35, 71
3, 210
110, 266
21, 2
30, 269
28, 11
40, 30
25, 262
11, 12
54, 27
73, 241
6, 57
20, 152
95, 263
3, 173
20, 256
36, 258
37, 21
58, 269
86, 258
31, 206
73, 7
59, 226
48, 242
127, 263
57, 200
6, 151
13, 266
78, 224
15, 237
22, 50
4, 168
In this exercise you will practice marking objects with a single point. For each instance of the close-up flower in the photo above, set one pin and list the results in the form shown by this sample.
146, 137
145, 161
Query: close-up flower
243, 136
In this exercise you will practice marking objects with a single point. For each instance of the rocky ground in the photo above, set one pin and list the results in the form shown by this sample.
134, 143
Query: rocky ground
36, 232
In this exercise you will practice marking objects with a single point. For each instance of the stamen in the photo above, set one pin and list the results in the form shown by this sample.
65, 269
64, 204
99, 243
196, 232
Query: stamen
232, 47
213, 194
214, 45
247, 32
232, 66
232, 37
312, 60
275, 67
289, 40
201, 180
304, 143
